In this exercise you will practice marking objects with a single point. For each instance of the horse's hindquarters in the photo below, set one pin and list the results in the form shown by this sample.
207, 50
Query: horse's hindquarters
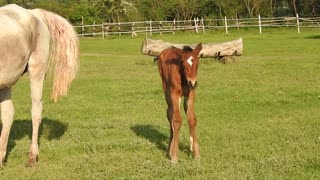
13, 59
15, 48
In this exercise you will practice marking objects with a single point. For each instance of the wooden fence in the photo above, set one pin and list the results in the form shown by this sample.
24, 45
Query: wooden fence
148, 28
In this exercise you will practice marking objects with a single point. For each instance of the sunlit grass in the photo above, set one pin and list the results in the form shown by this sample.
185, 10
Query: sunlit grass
258, 118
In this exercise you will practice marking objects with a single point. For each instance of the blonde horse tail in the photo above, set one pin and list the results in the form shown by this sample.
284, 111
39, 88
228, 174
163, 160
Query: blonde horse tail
64, 53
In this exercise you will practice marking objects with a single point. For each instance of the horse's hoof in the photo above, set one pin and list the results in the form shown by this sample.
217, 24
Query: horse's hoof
2, 163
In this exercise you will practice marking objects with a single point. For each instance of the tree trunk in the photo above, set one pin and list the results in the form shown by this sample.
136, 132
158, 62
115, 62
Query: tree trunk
294, 7
217, 50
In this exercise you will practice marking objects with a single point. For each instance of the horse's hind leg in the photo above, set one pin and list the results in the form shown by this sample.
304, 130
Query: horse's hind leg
7, 112
36, 85
36, 111
37, 67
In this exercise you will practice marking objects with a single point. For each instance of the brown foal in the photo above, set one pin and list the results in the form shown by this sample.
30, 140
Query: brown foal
178, 71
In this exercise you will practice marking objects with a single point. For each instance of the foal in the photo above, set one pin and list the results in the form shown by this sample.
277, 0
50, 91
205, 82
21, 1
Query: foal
178, 71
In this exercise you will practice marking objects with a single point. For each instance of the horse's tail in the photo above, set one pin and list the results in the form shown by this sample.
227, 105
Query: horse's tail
64, 52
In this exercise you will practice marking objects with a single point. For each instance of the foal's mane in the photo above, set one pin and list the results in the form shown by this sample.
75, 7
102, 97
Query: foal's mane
187, 49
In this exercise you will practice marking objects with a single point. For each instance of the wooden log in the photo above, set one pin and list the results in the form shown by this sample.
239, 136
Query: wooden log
217, 50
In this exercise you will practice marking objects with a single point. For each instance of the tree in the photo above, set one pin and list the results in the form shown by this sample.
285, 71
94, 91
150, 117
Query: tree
294, 4
51, 5
156, 9
86, 11
230, 8
260, 7
187, 9
137, 10
121, 8
113, 10
307, 7
250, 5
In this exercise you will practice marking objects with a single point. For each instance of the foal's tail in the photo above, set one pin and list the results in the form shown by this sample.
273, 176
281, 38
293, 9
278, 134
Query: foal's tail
64, 53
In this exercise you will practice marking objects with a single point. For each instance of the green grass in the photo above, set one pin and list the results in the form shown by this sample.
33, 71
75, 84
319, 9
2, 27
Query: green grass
258, 118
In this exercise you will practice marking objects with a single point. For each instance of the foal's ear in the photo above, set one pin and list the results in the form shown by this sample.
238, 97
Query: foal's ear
198, 49
177, 50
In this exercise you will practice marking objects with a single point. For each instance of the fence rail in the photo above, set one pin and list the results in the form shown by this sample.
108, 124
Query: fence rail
197, 25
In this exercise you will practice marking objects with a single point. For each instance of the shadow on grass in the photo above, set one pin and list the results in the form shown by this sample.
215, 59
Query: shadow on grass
153, 135
50, 129
313, 37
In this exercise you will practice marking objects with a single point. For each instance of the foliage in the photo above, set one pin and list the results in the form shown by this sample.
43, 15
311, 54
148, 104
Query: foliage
131, 10
84, 10
112, 10
138, 10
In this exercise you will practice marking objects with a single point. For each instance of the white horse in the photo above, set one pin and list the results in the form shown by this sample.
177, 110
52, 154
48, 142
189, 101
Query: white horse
32, 41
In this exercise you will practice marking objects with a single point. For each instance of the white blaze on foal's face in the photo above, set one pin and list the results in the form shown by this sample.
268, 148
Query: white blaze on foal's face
189, 60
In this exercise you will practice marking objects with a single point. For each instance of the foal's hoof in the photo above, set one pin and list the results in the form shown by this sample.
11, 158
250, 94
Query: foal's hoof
174, 160
197, 158
32, 162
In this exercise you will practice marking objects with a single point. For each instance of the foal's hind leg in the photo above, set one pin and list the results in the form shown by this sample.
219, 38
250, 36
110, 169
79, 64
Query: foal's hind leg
7, 112
176, 124
192, 121
169, 117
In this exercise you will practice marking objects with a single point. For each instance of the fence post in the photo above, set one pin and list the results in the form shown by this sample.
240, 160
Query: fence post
102, 31
202, 22
260, 29
237, 21
150, 28
196, 25
298, 24
226, 24
146, 31
94, 28
119, 28
174, 26
160, 27
82, 28
133, 33
107, 29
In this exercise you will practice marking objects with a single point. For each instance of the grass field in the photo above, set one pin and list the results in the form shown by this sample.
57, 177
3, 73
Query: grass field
258, 118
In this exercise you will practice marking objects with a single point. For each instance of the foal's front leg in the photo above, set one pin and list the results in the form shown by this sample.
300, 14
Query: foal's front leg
192, 121
7, 113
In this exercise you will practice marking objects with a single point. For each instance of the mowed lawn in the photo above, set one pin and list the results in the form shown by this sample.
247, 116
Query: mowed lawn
258, 118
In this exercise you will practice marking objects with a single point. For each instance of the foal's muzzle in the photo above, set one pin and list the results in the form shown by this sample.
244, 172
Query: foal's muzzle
193, 84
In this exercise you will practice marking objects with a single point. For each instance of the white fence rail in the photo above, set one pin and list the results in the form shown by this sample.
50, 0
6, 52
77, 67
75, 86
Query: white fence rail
197, 25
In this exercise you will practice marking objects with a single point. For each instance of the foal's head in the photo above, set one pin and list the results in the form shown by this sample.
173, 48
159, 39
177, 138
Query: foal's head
190, 62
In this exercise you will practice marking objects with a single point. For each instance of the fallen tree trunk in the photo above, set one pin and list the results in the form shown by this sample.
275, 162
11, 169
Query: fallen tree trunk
217, 50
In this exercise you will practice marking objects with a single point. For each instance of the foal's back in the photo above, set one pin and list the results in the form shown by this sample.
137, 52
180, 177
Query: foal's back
169, 62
